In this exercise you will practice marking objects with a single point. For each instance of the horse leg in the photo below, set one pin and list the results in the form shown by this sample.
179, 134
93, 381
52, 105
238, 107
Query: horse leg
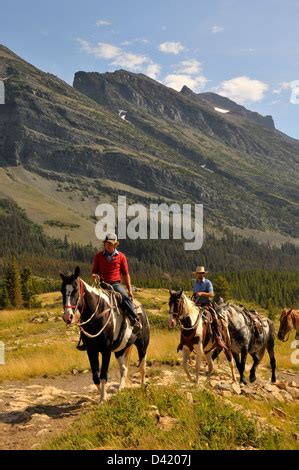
237, 360
198, 355
256, 361
142, 369
186, 353
123, 362
270, 349
244, 353
141, 345
229, 357
210, 364
104, 374
93, 357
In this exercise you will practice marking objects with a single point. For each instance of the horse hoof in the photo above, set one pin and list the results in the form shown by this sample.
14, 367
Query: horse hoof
243, 381
252, 379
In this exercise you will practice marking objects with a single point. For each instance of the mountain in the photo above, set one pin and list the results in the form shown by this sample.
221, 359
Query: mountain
65, 149
225, 103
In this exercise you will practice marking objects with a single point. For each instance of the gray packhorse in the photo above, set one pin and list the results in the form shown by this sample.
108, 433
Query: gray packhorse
252, 334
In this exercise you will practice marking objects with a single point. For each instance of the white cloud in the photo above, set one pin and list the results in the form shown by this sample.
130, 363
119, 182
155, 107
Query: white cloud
103, 23
242, 89
102, 50
121, 58
132, 41
189, 73
129, 60
177, 81
216, 29
153, 70
171, 47
189, 67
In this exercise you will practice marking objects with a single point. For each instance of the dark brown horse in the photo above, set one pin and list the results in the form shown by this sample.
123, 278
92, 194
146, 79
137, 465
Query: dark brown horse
104, 328
289, 320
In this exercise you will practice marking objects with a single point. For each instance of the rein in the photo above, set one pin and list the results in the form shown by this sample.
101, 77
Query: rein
181, 305
101, 314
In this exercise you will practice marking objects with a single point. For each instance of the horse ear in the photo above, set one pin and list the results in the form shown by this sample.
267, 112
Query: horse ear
62, 275
181, 291
77, 272
171, 292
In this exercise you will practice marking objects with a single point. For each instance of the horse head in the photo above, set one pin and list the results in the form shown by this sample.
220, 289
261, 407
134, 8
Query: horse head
72, 296
175, 301
286, 324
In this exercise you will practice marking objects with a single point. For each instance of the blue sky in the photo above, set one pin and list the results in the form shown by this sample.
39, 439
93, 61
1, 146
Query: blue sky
248, 51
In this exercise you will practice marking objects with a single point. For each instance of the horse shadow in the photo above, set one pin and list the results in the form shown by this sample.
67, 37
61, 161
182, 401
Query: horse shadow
56, 411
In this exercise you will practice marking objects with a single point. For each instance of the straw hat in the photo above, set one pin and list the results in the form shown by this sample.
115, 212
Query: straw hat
200, 270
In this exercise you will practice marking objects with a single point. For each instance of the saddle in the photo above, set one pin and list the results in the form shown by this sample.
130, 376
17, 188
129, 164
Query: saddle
215, 325
255, 320
108, 288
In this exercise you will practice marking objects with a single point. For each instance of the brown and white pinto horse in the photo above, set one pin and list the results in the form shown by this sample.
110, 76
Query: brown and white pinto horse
196, 334
289, 320
104, 328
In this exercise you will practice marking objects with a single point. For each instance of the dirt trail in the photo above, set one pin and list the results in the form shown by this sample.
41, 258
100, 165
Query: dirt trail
42, 407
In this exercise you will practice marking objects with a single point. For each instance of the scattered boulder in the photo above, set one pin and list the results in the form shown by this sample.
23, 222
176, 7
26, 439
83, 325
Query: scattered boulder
167, 422
236, 388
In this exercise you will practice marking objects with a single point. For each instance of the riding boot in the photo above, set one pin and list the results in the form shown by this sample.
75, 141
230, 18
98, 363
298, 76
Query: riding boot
133, 317
135, 322
217, 331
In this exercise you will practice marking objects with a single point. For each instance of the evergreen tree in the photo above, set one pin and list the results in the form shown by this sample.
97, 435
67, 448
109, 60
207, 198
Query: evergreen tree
13, 284
221, 288
66, 244
4, 299
271, 309
27, 288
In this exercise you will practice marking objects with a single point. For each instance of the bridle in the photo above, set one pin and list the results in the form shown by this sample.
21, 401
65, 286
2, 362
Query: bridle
286, 335
101, 314
80, 297
180, 316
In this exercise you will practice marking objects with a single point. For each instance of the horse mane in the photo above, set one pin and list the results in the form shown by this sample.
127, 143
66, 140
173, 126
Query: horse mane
189, 305
96, 290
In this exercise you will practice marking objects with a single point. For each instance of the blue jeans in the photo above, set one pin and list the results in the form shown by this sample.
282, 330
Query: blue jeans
127, 303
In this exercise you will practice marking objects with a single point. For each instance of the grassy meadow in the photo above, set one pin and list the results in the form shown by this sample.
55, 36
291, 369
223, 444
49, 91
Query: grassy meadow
48, 348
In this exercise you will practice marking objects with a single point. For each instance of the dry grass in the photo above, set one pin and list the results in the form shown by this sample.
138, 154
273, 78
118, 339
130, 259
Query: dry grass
43, 360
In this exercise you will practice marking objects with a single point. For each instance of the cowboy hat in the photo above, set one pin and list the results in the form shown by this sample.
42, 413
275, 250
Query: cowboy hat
111, 238
200, 270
